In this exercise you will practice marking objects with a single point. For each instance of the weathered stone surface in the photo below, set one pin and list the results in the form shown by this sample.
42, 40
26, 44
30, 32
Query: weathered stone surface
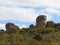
11, 28
58, 24
40, 21
50, 24
58, 27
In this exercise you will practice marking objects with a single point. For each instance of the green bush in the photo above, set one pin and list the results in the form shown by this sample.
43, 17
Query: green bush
24, 30
42, 30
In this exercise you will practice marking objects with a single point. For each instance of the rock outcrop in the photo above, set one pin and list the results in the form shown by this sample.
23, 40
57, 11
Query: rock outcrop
40, 21
50, 24
57, 27
11, 28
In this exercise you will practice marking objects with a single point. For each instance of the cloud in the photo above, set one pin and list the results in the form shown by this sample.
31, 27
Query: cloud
52, 11
20, 14
12, 9
33, 3
2, 26
23, 26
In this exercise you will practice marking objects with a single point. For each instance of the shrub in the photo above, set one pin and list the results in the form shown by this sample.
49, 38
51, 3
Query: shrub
42, 30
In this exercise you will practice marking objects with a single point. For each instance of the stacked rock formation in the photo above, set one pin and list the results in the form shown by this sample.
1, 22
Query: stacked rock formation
50, 23
40, 21
11, 28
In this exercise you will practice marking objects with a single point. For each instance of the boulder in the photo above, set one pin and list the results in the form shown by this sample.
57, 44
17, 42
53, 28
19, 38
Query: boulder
57, 27
11, 28
40, 21
50, 24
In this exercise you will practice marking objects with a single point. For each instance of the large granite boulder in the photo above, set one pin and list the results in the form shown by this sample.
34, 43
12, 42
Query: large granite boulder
50, 24
11, 28
40, 21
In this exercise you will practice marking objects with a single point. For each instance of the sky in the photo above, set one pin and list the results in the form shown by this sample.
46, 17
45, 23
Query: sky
24, 12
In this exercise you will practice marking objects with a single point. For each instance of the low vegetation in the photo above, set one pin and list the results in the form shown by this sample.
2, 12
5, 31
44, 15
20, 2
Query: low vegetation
34, 35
